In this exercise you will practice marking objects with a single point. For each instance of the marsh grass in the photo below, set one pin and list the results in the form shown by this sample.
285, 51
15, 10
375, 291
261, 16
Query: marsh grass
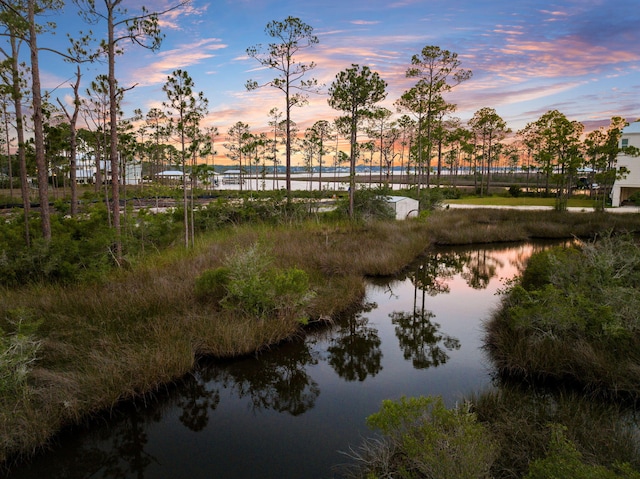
131, 332
469, 226
520, 419
574, 319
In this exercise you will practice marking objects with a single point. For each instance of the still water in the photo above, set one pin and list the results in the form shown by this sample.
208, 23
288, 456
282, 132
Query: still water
293, 411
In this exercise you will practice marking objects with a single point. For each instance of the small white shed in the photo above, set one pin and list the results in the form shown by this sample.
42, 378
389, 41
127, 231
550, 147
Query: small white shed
404, 207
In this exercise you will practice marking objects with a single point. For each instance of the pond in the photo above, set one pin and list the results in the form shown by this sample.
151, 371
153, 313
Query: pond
293, 411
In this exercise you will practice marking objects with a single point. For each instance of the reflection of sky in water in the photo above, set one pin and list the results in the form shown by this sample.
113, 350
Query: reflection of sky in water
236, 429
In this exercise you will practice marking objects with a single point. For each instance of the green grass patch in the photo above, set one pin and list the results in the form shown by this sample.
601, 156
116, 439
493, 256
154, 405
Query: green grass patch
521, 201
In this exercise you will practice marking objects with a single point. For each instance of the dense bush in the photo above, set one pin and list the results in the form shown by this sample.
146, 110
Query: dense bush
519, 418
431, 199
424, 439
250, 284
515, 191
80, 248
564, 461
212, 284
505, 435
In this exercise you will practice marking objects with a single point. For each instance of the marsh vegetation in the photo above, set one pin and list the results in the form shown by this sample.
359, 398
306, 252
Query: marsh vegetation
81, 341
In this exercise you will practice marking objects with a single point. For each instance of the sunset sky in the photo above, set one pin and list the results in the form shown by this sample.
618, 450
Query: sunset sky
581, 57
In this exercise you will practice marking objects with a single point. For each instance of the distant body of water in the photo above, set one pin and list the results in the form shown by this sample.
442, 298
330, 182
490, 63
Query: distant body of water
290, 411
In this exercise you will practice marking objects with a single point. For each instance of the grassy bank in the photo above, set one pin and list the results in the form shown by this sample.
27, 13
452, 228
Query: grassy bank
585, 202
82, 348
573, 318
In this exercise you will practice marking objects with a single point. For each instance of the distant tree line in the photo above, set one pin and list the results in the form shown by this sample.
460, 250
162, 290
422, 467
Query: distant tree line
43, 138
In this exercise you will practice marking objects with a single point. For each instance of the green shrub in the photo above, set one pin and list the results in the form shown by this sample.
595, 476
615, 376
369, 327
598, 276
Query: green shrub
18, 352
255, 287
368, 204
635, 198
542, 266
430, 199
212, 284
515, 191
433, 441
564, 461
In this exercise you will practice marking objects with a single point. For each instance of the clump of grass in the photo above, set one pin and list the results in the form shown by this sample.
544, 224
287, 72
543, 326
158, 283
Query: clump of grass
19, 350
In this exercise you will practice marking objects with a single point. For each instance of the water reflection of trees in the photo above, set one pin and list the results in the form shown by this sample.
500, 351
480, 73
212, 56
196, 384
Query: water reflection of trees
277, 380
354, 352
420, 339
432, 274
114, 452
195, 400
480, 267
127, 456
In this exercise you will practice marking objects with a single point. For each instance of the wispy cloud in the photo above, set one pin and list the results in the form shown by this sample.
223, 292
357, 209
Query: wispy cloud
364, 22
560, 57
182, 56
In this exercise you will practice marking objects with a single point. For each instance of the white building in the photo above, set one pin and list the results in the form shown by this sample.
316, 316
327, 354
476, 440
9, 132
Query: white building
130, 174
403, 206
630, 184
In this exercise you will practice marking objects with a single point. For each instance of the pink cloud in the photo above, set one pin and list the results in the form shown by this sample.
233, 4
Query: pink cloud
180, 57
569, 56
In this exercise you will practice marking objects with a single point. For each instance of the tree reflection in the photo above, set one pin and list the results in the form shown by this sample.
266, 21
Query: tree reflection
479, 268
127, 456
116, 452
277, 380
355, 351
420, 339
196, 401
431, 275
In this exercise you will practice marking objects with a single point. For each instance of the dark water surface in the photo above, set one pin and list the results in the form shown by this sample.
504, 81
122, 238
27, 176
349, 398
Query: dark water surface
289, 412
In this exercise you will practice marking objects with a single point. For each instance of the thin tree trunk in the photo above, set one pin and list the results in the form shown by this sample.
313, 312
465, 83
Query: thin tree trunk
113, 137
41, 163
24, 182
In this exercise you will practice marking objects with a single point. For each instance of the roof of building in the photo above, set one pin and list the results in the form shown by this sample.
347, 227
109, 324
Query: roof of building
632, 128
396, 199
